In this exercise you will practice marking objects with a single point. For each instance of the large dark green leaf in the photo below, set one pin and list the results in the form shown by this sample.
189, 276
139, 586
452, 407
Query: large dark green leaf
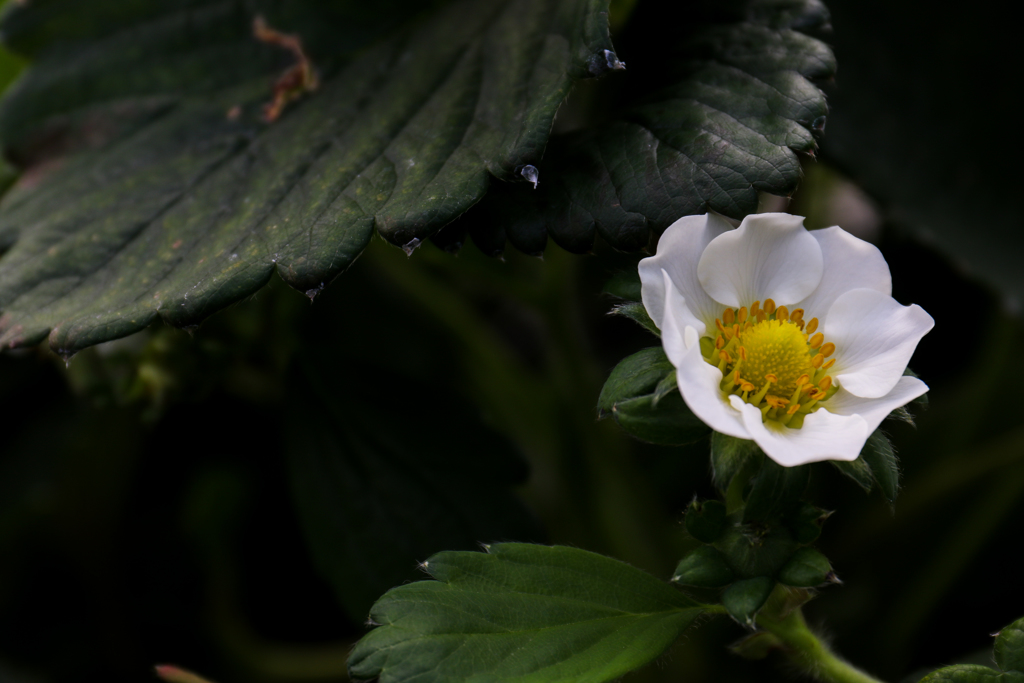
719, 99
153, 186
522, 613
386, 473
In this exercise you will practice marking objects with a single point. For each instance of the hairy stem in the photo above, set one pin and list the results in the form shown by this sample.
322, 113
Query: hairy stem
807, 651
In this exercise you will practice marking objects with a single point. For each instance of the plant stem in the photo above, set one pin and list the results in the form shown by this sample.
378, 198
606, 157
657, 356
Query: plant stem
808, 652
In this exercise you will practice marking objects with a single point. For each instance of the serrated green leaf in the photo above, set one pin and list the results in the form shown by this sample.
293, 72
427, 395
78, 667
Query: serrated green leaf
637, 313
153, 186
807, 568
775, 489
521, 613
636, 375
728, 456
880, 456
744, 598
705, 567
971, 673
1009, 647
705, 520
722, 106
378, 490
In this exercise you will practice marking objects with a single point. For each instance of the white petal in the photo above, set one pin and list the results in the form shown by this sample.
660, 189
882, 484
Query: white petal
849, 263
875, 337
771, 255
874, 410
679, 250
823, 436
698, 380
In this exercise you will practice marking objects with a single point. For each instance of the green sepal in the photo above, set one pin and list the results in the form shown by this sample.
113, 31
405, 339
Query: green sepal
805, 522
636, 312
705, 520
671, 423
881, 458
756, 549
705, 567
807, 568
972, 673
636, 394
634, 376
775, 489
756, 646
744, 598
858, 470
1009, 647
728, 456
624, 285
666, 386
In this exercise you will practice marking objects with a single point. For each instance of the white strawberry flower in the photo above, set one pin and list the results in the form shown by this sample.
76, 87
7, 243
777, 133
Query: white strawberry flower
781, 335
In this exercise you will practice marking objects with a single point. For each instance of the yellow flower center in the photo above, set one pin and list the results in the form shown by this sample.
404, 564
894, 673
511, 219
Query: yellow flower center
772, 359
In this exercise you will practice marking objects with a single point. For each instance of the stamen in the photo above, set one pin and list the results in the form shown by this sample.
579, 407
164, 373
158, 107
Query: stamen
828, 349
736, 379
760, 395
802, 380
825, 383
718, 324
754, 308
720, 342
771, 378
812, 326
793, 408
797, 315
769, 306
743, 353
818, 360
761, 316
729, 317
782, 313
829, 364
747, 386
816, 341
742, 315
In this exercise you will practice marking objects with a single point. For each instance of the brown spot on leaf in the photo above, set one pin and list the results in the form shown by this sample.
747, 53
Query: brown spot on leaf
297, 79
